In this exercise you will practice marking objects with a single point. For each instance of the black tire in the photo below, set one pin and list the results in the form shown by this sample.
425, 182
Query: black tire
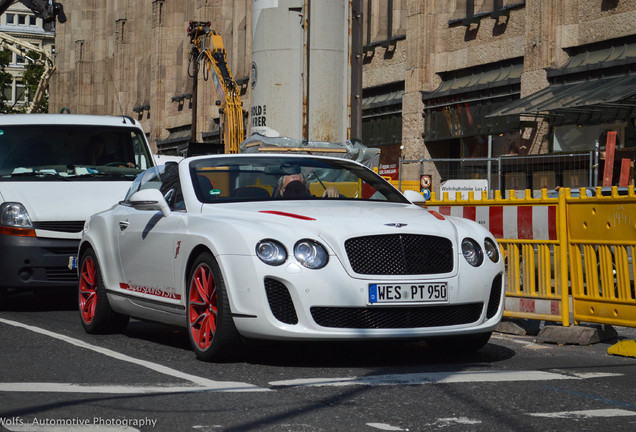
459, 344
211, 328
96, 315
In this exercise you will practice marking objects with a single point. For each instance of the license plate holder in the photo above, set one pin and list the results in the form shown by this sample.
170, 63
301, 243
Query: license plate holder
408, 292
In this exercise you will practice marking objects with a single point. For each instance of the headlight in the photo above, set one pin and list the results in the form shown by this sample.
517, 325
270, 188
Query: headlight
492, 251
271, 252
472, 252
14, 215
311, 254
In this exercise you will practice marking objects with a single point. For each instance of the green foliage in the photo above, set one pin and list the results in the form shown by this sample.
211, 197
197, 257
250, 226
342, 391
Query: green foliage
31, 78
5, 81
32, 74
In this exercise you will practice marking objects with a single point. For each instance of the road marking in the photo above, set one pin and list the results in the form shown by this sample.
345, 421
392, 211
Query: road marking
384, 427
587, 375
47, 387
200, 383
425, 378
450, 421
587, 414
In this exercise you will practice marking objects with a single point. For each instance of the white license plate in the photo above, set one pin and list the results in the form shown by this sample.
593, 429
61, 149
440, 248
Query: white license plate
436, 292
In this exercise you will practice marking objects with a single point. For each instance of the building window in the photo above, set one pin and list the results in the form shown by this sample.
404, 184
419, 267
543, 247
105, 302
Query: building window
120, 26
79, 50
157, 13
22, 20
8, 93
11, 19
20, 92
470, 11
385, 22
33, 21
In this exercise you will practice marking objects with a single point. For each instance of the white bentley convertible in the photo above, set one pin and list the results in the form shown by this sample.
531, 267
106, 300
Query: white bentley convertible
286, 247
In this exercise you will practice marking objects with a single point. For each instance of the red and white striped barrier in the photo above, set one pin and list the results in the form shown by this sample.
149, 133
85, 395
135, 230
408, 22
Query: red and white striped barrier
534, 306
509, 222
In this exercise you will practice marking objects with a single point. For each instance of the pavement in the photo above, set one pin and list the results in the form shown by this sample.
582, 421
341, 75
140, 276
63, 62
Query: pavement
582, 334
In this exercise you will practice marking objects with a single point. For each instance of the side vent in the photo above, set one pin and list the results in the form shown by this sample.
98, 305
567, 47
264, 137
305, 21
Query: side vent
280, 302
495, 297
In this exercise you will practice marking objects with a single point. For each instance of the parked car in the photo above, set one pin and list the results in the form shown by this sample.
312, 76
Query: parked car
55, 171
288, 248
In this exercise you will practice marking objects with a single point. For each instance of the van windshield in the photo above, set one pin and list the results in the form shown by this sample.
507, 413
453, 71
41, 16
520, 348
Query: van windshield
67, 152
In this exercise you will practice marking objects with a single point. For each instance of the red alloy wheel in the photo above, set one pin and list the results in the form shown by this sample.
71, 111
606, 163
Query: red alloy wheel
203, 305
87, 290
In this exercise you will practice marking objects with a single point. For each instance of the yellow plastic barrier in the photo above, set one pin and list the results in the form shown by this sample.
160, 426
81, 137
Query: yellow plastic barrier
348, 189
602, 243
532, 235
583, 247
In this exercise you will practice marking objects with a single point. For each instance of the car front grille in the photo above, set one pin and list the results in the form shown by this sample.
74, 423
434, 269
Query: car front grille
280, 302
60, 226
396, 317
400, 254
61, 274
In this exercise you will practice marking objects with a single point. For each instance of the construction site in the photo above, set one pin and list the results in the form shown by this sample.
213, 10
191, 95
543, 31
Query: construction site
492, 90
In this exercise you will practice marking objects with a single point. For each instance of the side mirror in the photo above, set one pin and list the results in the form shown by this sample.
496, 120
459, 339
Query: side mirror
150, 199
414, 197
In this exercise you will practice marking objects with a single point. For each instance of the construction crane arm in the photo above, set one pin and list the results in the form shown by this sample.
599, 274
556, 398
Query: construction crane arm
48, 10
207, 47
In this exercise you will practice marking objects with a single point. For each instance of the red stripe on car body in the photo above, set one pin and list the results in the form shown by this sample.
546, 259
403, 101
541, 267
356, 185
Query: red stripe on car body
291, 215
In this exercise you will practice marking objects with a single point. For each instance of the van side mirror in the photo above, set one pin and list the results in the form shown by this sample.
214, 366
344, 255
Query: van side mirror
150, 199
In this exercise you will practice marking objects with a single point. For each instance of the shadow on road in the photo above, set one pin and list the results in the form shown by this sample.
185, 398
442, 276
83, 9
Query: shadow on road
40, 301
365, 354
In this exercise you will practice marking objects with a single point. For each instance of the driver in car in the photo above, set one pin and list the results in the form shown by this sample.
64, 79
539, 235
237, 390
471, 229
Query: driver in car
293, 186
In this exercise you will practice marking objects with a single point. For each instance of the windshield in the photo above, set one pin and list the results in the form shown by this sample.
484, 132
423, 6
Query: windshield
231, 179
66, 152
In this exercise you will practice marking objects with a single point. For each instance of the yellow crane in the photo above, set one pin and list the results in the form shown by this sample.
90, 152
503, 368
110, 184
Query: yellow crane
207, 47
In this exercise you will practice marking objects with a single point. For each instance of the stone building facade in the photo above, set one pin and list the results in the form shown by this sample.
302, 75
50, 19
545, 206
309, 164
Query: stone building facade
441, 79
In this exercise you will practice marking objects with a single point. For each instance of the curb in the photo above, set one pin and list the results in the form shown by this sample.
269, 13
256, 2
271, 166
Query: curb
519, 327
556, 334
577, 335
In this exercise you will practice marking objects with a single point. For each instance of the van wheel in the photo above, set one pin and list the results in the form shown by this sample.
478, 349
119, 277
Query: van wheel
95, 311
211, 329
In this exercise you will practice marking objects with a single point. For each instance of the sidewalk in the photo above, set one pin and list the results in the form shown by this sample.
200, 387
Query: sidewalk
582, 334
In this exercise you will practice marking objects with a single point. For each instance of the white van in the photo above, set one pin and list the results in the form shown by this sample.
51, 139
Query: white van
55, 171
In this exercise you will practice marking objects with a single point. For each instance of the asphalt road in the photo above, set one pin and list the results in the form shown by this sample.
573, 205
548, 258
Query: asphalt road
55, 377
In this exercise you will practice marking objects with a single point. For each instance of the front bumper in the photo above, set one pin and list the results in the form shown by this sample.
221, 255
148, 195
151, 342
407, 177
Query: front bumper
331, 305
32, 262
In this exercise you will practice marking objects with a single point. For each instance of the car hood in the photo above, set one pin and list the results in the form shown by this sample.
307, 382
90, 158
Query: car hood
64, 201
335, 221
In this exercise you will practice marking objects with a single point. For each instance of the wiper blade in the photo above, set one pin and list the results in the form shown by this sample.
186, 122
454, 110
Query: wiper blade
102, 175
39, 174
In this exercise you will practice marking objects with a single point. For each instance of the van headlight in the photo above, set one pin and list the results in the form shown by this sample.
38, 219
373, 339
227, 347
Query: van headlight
14, 215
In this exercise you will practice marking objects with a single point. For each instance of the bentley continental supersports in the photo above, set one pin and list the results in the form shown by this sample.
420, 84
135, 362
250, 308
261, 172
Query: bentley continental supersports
293, 247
